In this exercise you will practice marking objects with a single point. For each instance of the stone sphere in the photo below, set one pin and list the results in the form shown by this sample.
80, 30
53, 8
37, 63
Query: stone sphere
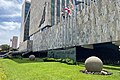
93, 64
32, 57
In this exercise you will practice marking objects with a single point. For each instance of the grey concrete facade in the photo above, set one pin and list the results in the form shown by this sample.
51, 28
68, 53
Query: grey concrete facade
26, 46
37, 11
63, 54
24, 32
97, 23
25, 42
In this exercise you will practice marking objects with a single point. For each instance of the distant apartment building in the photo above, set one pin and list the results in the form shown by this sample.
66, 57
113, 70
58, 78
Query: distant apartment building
24, 33
14, 42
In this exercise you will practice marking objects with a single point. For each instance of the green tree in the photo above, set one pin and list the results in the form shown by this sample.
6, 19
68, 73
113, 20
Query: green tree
5, 47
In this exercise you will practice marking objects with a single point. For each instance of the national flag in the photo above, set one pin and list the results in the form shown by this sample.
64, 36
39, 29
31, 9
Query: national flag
68, 10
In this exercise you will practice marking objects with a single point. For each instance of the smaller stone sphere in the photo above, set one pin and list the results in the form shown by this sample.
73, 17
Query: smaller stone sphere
32, 57
93, 64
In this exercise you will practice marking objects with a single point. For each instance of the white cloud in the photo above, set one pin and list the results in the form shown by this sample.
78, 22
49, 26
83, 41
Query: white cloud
10, 8
29, 0
1, 33
5, 36
9, 25
10, 15
9, 3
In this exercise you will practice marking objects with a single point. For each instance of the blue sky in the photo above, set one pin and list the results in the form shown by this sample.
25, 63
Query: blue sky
10, 19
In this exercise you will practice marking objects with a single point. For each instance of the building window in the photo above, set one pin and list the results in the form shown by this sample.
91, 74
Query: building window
52, 12
27, 6
63, 4
58, 11
67, 3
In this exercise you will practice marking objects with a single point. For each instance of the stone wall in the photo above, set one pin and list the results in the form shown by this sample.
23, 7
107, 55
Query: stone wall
26, 46
97, 23
63, 54
37, 11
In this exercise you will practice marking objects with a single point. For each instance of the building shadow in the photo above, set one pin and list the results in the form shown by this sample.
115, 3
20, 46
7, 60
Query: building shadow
26, 60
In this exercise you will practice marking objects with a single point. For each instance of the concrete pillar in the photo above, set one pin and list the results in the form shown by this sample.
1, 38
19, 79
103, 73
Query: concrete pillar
55, 12
60, 10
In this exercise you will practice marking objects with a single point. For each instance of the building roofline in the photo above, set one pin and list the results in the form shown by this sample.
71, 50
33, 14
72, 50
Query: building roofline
27, 1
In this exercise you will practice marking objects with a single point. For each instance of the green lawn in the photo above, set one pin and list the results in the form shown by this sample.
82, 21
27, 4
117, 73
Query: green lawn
26, 70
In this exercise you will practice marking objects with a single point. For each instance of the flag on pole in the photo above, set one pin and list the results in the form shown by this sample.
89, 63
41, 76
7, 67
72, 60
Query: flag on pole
68, 10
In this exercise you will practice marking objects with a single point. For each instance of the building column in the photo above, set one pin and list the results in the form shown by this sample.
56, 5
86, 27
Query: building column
60, 10
55, 12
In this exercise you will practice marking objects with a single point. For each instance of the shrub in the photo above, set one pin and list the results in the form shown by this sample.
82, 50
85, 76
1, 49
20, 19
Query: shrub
58, 60
67, 60
7, 56
70, 61
63, 61
48, 59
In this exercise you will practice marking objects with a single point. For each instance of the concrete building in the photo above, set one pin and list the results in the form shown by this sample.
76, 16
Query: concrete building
25, 42
26, 46
15, 42
24, 33
56, 30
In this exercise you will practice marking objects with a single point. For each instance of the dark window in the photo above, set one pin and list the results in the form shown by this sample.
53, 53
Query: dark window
26, 29
52, 12
63, 4
27, 6
67, 3
58, 11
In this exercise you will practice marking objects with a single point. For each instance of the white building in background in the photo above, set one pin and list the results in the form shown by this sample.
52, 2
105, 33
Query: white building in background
14, 42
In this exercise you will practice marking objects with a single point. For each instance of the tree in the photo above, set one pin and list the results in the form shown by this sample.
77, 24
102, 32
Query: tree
5, 47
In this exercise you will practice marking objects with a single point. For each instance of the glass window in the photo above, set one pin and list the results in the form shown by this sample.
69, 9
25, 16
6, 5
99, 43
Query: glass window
58, 11
52, 12
67, 3
63, 4
27, 5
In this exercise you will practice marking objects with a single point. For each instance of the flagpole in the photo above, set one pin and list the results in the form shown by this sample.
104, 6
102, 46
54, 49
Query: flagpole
65, 25
74, 24
71, 27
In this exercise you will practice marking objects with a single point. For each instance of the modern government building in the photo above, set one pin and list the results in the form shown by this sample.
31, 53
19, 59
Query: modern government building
71, 28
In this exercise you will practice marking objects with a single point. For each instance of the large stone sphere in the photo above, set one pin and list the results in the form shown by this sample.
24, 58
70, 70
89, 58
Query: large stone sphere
93, 64
32, 57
